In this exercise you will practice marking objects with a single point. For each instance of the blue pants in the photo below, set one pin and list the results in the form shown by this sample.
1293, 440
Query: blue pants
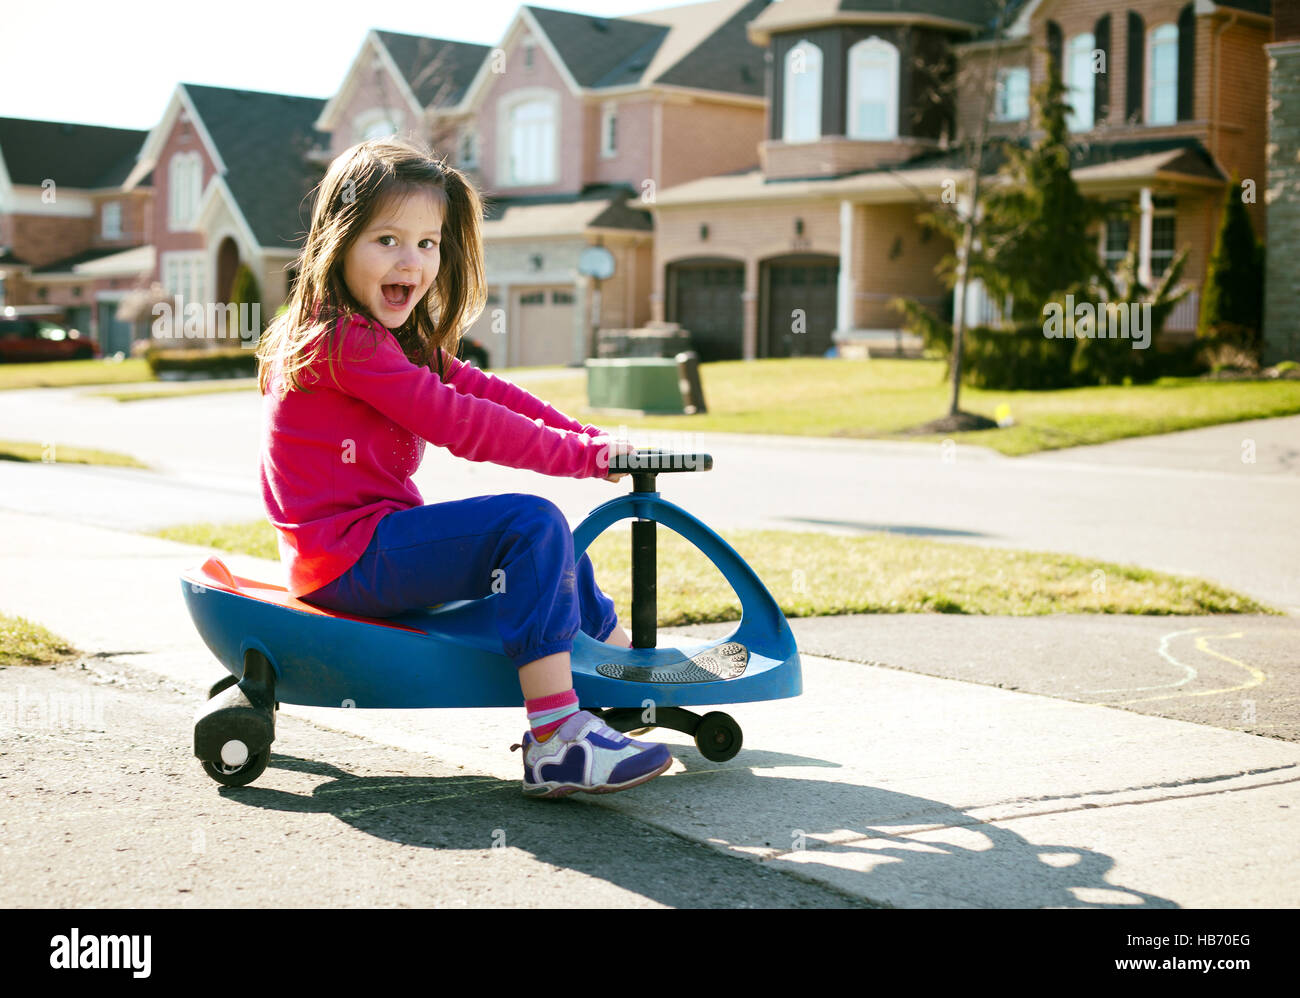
515, 544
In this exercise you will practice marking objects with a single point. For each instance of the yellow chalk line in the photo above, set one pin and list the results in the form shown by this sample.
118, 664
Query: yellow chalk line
1164, 653
1257, 675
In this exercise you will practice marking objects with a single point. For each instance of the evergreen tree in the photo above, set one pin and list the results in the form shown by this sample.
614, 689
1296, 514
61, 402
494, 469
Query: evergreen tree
1233, 297
244, 290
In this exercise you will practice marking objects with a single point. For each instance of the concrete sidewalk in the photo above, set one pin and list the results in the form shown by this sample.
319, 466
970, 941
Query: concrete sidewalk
904, 789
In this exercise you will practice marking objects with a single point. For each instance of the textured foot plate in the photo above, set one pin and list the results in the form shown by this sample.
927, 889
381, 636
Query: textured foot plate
727, 661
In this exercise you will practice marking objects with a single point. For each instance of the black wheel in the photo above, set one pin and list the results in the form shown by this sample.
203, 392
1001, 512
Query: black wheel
718, 737
238, 776
222, 684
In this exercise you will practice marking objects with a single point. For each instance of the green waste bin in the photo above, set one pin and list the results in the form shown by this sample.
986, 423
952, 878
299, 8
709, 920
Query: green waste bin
645, 384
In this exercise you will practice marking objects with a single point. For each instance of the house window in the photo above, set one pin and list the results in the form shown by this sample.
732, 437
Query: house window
533, 298
1162, 83
802, 114
561, 297
873, 90
530, 46
184, 274
1162, 235
111, 220
608, 131
184, 179
1115, 242
380, 129
1079, 83
1013, 94
468, 148
530, 145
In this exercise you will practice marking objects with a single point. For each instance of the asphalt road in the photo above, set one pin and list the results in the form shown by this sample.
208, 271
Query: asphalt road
1238, 672
1184, 503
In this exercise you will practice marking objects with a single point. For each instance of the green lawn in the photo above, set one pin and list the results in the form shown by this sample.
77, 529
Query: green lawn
813, 574
844, 398
65, 373
182, 388
56, 453
23, 642
879, 398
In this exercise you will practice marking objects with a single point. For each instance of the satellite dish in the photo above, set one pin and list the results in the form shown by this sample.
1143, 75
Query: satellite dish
597, 262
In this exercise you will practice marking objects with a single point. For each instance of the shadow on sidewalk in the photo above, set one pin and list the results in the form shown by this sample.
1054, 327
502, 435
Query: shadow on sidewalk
886, 844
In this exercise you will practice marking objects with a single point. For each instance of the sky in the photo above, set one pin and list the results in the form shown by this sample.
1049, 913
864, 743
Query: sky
98, 62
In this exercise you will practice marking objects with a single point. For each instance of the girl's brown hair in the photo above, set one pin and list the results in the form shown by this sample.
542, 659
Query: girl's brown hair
354, 187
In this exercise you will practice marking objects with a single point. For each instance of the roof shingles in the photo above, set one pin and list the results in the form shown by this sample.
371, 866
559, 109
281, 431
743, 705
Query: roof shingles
263, 139
85, 157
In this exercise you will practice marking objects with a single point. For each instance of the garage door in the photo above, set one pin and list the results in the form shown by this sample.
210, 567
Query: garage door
544, 321
705, 301
801, 293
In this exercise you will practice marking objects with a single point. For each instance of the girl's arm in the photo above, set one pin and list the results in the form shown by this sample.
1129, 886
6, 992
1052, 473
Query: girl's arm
370, 366
469, 380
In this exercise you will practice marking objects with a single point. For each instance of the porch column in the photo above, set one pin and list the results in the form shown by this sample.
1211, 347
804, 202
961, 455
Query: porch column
960, 306
749, 308
844, 317
1144, 236
499, 326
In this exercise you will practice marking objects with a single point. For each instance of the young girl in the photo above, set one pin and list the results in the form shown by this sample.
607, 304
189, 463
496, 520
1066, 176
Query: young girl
355, 377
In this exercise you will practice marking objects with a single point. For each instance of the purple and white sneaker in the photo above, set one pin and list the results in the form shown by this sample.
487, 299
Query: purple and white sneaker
588, 755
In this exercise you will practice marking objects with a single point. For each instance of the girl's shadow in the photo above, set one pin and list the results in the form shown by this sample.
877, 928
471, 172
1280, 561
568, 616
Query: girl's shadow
902, 850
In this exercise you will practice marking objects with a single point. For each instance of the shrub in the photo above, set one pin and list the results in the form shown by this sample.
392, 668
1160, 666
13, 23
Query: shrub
1020, 358
1233, 300
226, 362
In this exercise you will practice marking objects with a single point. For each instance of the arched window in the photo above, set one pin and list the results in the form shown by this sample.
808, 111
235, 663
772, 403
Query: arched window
802, 114
873, 90
530, 141
1162, 81
380, 129
1079, 82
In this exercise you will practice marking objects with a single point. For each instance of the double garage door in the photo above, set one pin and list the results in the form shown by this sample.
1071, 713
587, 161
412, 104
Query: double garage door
796, 314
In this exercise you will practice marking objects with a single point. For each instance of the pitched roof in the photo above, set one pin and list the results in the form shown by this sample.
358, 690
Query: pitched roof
1253, 6
77, 156
608, 206
1124, 160
264, 139
438, 70
700, 45
600, 51
65, 265
726, 60
793, 14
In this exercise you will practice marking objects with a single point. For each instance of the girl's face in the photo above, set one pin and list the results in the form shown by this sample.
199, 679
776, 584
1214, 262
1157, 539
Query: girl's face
394, 260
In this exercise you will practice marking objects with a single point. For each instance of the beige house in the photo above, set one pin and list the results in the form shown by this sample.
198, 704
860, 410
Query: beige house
808, 250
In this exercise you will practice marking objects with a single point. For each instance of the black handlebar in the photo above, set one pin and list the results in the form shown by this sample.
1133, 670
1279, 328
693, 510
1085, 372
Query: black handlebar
655, 461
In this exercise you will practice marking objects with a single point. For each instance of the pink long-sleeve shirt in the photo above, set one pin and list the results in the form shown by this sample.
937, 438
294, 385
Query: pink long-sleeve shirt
339, 457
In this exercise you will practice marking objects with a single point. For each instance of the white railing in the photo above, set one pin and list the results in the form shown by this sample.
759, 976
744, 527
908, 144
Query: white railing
1184, 317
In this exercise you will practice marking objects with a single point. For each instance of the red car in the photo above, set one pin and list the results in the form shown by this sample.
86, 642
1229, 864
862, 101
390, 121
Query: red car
28, 339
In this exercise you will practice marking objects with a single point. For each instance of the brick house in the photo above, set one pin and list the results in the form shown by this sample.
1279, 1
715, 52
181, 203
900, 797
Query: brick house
569, 127
1282, 281
70, 237
857, 145
233, 171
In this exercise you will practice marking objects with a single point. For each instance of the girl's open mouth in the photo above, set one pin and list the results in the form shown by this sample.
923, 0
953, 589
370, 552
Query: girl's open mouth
397, 295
